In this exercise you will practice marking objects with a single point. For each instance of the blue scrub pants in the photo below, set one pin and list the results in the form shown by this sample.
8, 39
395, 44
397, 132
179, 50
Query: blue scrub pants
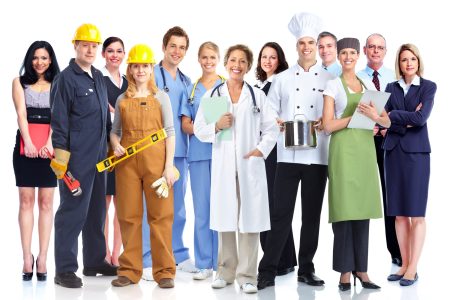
205, 239
180, 252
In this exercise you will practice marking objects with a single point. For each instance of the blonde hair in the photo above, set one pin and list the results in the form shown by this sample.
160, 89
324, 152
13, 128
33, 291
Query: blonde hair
415, 51
131, 90
209, 45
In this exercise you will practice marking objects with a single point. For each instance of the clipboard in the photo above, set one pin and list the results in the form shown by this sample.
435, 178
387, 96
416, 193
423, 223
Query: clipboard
213, 108
39, 135
360, 121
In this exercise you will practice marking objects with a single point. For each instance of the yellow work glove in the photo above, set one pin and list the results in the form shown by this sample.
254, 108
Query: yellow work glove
59, 162
161, 184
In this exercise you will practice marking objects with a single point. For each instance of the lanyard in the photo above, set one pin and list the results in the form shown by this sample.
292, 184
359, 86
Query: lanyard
191, 98
255, 108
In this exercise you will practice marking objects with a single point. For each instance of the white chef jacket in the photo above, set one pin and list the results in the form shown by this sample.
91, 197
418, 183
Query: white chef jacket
295, 92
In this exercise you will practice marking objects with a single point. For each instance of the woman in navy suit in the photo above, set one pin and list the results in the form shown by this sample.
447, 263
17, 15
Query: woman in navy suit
407, 156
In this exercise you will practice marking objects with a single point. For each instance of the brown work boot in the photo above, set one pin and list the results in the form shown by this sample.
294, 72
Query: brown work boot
166, 283
121, 281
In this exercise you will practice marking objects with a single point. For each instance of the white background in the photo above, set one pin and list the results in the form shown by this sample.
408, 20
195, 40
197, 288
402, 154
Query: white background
226, 23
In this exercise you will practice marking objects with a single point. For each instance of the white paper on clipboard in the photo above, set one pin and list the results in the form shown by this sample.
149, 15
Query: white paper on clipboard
359, 120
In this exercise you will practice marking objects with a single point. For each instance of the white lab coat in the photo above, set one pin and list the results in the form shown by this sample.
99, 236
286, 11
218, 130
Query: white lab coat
293, 92
249, 131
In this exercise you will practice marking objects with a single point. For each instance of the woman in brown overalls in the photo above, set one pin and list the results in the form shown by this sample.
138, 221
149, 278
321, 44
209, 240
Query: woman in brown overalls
141, 111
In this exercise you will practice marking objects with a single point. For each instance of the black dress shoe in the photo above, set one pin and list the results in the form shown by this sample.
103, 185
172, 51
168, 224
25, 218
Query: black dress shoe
264, 282
397, 261
284, 271
106, 270
310, 279
68, 280
40, 276
27, 276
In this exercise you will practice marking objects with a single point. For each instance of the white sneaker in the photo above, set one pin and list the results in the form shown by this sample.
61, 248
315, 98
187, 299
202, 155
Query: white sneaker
219, 283
147, 274
202, 274
249, 288
187, 266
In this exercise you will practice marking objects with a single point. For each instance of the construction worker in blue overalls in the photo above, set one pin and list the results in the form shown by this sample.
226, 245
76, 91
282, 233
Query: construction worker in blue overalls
80, 118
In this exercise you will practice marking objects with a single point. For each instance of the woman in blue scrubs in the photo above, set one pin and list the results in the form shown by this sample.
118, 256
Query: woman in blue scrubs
199, 159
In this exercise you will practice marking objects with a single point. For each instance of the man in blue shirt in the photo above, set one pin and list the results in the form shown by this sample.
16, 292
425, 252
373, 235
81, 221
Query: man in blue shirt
80, 123
327, 46
375, 77
171, 80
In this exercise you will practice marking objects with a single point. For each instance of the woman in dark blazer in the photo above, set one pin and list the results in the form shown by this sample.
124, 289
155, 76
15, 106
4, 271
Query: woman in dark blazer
407, 156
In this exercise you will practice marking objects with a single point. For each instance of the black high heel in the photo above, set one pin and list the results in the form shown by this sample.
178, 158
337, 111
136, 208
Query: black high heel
365, 284
344, 286
27, 276
40, 276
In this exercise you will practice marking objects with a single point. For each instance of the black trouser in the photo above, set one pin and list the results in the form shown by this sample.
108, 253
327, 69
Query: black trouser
287, 178
351, 246
389, 221
288, 255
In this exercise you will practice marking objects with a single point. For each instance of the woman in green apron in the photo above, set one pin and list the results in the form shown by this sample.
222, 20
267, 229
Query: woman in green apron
354, 190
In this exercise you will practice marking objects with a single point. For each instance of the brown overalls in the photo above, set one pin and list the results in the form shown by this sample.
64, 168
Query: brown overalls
140, 117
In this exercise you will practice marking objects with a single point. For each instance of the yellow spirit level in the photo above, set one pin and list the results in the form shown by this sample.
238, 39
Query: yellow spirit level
132, 150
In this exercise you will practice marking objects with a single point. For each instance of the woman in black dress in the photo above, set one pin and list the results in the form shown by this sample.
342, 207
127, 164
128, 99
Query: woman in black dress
31, 96
113, 51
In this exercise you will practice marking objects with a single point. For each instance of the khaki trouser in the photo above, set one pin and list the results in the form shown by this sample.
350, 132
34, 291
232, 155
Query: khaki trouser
134, 175
238, 261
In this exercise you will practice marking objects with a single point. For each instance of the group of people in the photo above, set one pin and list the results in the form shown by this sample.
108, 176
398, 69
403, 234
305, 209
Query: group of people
244, 180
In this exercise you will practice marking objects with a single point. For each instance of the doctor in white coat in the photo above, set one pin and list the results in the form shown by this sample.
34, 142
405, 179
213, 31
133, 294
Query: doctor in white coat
239, 201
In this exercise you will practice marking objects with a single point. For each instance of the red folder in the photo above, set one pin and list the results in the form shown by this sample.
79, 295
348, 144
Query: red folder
39, 135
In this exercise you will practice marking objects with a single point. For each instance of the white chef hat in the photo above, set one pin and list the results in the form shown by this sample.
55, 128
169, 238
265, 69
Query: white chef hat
305, 24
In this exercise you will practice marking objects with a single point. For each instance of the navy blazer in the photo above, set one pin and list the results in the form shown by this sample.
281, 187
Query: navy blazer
402, 112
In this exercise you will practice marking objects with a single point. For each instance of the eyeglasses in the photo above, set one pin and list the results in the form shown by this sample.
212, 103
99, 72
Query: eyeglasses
379, 48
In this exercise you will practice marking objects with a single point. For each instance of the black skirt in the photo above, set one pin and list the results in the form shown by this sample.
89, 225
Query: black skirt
33, 172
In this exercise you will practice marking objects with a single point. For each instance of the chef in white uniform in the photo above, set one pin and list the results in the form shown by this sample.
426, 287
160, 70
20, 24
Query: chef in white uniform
298, 91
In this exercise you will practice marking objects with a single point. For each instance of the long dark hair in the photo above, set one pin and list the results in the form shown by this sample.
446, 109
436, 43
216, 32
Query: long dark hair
27, 73
282, 63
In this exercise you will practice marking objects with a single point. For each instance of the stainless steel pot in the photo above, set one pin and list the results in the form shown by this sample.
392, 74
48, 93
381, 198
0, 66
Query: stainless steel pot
300, 133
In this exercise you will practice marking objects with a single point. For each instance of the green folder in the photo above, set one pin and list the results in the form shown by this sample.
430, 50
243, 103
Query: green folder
213, 108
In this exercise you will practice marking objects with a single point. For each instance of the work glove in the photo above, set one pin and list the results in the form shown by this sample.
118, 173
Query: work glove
162, 186
59, 162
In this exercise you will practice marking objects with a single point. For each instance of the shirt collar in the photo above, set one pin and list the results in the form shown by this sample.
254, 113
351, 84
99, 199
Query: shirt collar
415, 81
381, 71
79, 70
314, 67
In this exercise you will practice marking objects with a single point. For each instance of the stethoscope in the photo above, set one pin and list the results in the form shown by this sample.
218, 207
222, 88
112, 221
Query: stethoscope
191, 98
182, 76
255, 108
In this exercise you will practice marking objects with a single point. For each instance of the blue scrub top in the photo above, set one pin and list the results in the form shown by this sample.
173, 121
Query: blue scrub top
178, 94
197, 150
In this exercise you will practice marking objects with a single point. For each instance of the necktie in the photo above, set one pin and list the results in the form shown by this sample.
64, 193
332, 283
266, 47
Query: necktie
375, 80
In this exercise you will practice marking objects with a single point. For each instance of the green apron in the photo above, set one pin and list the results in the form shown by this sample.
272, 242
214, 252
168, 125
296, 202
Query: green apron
354, 185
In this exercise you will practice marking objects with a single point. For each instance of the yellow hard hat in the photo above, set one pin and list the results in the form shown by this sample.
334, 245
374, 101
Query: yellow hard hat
88, 33
141, 54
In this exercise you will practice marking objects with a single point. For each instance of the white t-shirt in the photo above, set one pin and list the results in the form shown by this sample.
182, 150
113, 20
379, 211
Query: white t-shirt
335, 89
